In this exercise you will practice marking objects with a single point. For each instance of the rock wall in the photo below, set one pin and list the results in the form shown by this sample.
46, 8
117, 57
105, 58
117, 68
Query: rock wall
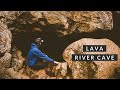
76, 21
5, 47
62, 24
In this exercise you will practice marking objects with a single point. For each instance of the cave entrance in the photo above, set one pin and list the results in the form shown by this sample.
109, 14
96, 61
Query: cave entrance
53, 46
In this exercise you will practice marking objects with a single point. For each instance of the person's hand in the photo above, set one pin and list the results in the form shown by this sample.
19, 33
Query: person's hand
56, 62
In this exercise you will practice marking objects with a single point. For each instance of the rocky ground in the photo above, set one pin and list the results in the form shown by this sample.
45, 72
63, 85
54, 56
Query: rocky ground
64, 32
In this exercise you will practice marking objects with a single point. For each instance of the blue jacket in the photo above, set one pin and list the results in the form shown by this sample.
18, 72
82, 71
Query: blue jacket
34, 54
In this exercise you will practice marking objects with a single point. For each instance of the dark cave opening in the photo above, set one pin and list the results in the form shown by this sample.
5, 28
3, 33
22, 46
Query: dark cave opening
54, 45
1, 55
115, 32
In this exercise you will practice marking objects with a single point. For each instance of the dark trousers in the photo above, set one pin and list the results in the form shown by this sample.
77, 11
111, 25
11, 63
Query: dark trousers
40, 65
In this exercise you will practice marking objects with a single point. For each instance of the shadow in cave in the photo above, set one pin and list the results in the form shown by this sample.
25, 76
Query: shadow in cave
115, 32
54, 46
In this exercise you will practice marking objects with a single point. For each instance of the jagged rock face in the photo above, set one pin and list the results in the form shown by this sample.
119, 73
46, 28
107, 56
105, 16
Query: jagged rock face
7, 16
10, 73
51, 72
6, 60
61, 70
52, 17
90, 21
5, 38
76, 21
5, 46
62, 23
94, 69
17, 59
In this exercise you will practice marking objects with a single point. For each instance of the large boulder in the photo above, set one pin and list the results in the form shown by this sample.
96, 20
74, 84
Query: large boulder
62, 22
61, 70
93, 69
